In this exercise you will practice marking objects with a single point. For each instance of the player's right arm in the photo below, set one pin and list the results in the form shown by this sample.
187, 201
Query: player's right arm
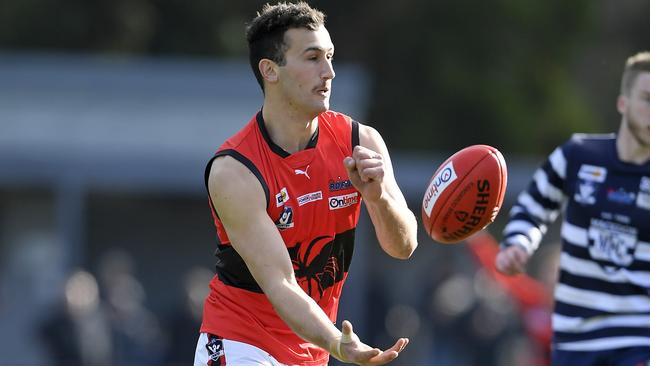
536, 208
239, 199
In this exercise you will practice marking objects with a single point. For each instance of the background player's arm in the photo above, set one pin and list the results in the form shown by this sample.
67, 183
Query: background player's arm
371, 172
536, 208
241, 203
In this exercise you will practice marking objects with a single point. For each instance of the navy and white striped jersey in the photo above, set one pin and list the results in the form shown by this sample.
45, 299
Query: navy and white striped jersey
602, 299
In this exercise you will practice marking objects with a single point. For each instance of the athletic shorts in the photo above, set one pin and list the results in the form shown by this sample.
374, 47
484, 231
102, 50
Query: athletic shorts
212, 350
633, 356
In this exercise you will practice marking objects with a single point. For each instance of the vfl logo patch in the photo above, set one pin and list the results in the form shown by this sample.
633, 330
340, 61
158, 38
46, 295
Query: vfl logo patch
286, 219
215, 348
310, 197
439, 183
343, 201
281, 197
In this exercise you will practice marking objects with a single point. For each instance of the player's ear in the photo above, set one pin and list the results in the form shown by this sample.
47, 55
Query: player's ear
268, 70
621, 103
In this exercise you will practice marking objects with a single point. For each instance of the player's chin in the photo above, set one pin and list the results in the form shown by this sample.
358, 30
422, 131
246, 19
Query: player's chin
324, 106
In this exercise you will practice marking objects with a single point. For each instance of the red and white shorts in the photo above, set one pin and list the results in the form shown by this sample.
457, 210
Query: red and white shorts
212, 350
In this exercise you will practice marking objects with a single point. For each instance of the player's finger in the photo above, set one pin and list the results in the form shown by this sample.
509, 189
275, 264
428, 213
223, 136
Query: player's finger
361, 152
399, 345
383, 358
376, 173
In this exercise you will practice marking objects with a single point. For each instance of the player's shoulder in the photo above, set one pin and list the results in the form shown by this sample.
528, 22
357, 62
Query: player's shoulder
229, 174
590, 141
592, 138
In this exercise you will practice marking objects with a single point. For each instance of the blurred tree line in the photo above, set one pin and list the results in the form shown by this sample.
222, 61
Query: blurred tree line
444, 74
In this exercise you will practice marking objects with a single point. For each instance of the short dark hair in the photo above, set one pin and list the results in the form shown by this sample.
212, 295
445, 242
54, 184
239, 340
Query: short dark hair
634, 65
265, 33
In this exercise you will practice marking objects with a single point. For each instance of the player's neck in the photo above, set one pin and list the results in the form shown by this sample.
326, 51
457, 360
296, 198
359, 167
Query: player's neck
629, 148
287, 127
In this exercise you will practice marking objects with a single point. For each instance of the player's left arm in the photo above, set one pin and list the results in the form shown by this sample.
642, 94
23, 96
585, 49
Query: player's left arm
371, 172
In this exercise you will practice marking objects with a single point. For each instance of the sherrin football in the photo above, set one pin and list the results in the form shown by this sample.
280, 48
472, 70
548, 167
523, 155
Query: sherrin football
465, 194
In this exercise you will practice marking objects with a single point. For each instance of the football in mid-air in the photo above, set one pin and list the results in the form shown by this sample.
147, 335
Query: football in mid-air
465, 194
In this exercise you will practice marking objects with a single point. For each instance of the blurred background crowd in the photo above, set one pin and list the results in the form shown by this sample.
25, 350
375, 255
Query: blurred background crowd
109, 111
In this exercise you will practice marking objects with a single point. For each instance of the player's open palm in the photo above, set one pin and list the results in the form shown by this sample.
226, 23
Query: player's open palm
352, 350
366, 171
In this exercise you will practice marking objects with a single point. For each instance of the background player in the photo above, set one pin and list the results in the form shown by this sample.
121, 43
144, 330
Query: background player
601, 183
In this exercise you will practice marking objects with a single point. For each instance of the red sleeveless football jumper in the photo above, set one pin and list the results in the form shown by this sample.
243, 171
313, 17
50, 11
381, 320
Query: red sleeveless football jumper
315, 208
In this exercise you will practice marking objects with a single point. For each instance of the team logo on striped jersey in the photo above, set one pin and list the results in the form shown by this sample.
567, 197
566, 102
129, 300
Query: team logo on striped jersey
585, 193
612, 242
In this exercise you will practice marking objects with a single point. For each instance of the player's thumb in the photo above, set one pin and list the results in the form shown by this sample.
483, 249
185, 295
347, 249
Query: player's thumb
346, 332
349, 164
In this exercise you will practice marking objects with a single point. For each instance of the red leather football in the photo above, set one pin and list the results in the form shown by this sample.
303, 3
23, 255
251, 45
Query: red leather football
465, 194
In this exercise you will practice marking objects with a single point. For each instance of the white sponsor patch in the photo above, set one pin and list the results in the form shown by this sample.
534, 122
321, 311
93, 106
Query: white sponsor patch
643, 200
438, 184
592, 173
310, 197
281, 197
343, 201
645, 184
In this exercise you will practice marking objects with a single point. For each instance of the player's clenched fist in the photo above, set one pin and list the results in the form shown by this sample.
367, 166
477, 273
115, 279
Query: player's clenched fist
366, 170
512, 260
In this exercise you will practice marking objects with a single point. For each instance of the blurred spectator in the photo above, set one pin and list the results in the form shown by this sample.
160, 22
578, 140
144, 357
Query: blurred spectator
79, 333
185, 321
137, 335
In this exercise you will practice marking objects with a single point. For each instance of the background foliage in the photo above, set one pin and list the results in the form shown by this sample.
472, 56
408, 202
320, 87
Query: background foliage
520, 75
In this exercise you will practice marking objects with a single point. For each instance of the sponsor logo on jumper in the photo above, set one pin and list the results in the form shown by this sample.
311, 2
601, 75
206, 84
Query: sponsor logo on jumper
643, 200
478, 212
343, 201
592, 173
620, 196
645, 184
338, 185
281, 197
215, 349
286, 219
585, 193
303, 172
612, 242
310, 197
443, 178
